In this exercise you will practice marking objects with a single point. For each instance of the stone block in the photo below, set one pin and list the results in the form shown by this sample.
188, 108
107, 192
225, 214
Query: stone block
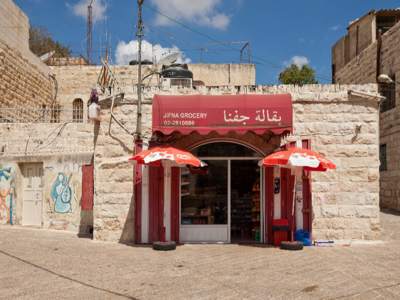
360, 162
374, 224
351, 199
353, 175
371, 235
329, 211
367, 212
106, 211
347, 211
357, 224
353, 235
373, 174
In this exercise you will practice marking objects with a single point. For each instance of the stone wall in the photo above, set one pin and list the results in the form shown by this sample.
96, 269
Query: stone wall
345, 201
48, 140
75, 82
22, 83
361, 34
362, 70
14, 31
24, 80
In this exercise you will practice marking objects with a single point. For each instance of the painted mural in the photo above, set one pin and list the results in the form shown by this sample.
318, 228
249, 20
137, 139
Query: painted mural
8, 184
63, 191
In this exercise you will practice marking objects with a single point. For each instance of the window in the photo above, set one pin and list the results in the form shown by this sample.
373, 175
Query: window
205, 194
382, 157
77, 112
384, 23
389, 91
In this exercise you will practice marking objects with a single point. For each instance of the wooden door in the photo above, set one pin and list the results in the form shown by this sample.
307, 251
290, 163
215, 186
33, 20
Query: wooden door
32, 185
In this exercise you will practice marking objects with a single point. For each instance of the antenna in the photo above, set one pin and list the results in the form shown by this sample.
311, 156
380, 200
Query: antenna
170, 58
89, 33
241, 51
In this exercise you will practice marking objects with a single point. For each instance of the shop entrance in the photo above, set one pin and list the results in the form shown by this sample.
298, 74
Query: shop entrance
245, 201
222, 203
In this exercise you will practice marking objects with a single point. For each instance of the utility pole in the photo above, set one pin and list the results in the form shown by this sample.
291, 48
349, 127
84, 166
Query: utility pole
137, 187
139, 112
89, 34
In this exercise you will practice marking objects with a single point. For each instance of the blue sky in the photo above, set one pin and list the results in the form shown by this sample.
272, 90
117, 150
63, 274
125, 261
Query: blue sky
278, 31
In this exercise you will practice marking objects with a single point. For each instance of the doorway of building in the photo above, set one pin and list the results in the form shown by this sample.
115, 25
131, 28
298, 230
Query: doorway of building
245, 202
218, 204
32, 194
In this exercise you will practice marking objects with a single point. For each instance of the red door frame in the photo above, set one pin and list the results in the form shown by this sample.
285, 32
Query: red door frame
269, 207
156, 204
138, 196
307, 205
175, 207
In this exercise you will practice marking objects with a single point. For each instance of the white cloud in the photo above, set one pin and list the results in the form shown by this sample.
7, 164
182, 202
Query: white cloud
301, 40
199, 12
334, 28
298, 60
80, 9
127, 52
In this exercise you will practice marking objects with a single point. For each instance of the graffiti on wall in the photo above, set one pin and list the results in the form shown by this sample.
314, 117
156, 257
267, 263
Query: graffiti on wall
63, 192
8, 175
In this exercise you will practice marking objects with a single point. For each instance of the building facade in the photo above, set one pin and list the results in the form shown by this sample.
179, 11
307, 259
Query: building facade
369, 50
344, 205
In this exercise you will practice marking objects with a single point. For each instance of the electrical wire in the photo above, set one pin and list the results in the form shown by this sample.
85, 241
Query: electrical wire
54, 99
230, 56
226, 45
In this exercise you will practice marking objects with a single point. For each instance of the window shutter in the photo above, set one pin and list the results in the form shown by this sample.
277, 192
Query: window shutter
87, 187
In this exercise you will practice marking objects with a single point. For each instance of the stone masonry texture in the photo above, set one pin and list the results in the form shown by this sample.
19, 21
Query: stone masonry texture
362, 70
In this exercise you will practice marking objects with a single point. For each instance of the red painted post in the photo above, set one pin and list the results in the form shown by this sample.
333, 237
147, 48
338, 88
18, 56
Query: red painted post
87, 187
175, 204
269, 199
138, 195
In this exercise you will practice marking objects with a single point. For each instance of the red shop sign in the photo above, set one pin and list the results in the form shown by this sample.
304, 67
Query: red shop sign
239, 113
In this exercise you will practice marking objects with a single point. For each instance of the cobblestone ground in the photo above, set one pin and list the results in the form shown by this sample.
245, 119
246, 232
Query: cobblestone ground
39, 264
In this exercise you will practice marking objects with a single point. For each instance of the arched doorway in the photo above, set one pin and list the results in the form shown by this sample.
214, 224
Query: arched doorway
223, 203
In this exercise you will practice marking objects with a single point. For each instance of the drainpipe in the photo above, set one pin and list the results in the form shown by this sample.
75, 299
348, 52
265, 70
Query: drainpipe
378, 55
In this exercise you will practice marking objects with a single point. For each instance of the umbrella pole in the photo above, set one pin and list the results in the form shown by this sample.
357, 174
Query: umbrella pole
293, 208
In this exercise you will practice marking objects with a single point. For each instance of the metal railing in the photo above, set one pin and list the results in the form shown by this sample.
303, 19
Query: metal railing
43, 115
46, 146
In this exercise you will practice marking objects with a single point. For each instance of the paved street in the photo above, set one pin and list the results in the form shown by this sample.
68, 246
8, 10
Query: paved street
39, 264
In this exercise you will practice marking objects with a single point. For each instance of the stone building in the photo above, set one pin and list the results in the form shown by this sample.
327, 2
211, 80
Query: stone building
345, 202
68, 173
369, 50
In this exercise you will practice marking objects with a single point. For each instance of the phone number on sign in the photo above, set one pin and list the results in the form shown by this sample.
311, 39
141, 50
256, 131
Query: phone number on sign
176, 123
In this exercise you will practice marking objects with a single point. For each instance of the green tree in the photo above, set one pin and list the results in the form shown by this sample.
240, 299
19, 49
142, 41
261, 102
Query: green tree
40, 42
296, 75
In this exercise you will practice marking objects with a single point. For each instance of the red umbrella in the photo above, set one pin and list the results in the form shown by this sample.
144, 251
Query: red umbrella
167, 156
297, 159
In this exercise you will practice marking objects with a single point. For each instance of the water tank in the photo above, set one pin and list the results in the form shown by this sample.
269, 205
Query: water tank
144, 62
176, 71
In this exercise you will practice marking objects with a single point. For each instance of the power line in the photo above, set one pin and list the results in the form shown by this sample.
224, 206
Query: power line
226, 45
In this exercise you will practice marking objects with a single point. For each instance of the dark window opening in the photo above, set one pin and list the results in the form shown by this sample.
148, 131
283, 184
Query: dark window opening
389, 91
77, 110
382, 158
385, 23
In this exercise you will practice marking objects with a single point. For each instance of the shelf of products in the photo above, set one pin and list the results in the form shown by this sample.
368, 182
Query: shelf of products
256, 210
204, 194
